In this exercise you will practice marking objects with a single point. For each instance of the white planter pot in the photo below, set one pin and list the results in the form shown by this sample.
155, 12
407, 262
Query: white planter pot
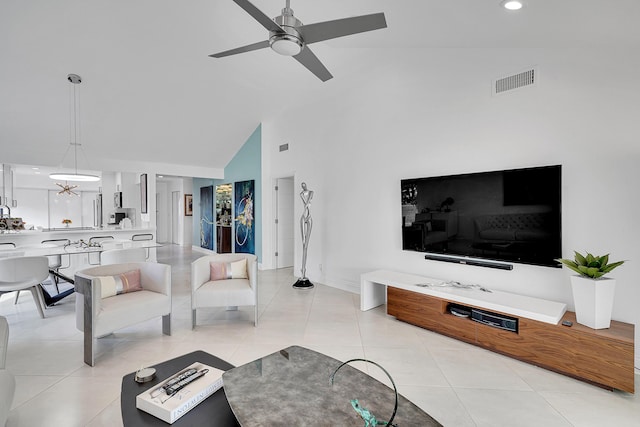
593, 300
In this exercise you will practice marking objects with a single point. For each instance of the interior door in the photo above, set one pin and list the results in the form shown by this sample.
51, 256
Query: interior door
284, 222
175, 217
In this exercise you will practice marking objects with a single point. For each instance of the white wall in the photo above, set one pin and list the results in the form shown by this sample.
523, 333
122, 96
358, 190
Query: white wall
427, 112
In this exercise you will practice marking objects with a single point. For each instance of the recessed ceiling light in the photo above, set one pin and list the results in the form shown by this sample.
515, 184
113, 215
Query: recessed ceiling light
35, 169
512, 4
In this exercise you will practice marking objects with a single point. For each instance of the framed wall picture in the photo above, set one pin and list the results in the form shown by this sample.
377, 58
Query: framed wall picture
117, 199
188, 205
207, 220
143, 194
245, 213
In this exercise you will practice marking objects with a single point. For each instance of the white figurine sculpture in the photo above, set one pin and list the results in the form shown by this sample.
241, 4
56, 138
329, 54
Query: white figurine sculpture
306, 223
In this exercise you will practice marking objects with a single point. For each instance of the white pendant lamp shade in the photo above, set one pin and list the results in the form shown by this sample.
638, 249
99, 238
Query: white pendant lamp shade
79, 177
74, 136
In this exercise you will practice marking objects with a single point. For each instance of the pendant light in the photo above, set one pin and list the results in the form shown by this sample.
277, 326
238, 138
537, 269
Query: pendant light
74, 136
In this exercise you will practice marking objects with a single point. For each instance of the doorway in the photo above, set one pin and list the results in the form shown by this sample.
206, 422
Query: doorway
284, 223
224, 218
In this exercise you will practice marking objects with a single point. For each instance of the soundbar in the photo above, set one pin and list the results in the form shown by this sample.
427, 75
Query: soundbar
469, 261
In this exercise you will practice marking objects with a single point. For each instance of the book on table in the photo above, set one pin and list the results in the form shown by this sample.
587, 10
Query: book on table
178, 394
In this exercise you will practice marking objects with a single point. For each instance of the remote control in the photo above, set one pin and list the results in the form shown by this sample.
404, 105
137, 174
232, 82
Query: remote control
179, 378
186, 374
183, 383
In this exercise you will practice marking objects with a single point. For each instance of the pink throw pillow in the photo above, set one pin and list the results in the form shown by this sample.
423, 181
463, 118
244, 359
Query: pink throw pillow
122, 283
218, 271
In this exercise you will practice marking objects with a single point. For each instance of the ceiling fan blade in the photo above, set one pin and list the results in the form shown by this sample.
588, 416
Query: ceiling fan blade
247, 48
313, 64
258, 15
342, 27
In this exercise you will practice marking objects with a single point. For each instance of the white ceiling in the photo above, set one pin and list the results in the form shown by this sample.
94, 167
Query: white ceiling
151, 93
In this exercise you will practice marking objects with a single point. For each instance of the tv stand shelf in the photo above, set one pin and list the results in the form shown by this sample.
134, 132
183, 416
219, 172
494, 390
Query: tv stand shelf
603, 357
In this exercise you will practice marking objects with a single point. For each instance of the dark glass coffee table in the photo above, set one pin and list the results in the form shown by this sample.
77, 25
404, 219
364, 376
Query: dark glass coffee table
292, 387
213, 411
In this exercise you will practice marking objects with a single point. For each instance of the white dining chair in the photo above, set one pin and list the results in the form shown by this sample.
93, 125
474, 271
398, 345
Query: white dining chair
55, 261
26, 272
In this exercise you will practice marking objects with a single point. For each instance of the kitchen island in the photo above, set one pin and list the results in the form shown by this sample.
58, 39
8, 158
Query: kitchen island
29, 239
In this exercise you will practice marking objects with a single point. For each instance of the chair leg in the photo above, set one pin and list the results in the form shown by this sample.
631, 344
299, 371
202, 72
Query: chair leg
193, 318
17, 295
38, 300
166, 324
55, 281
89, 348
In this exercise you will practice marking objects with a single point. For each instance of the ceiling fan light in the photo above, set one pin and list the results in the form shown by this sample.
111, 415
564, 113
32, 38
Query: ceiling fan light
512, 4
79, 177
286, 44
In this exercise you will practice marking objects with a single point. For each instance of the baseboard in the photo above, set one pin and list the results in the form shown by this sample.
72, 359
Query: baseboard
344, 285
202, 250
210, 252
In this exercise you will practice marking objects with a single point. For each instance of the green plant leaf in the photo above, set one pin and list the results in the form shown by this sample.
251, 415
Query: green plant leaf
593, 271
570, 264
590, 265
590, 258
594, 263
611, 266
567, 262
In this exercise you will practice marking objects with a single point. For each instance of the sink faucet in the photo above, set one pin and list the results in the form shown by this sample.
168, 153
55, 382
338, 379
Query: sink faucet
8, 210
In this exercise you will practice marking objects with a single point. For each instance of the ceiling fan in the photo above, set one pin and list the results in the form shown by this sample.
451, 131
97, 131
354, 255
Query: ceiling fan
289, 37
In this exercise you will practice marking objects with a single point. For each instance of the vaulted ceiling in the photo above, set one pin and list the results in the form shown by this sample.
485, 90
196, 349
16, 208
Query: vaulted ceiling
151, 93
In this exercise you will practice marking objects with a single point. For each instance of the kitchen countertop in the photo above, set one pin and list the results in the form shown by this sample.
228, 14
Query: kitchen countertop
31, 236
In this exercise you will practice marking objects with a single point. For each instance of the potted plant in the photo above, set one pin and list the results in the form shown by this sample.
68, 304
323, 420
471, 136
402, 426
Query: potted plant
592, 293
66, 222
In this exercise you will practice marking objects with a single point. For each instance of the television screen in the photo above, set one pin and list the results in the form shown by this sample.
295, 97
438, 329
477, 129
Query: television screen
510, 215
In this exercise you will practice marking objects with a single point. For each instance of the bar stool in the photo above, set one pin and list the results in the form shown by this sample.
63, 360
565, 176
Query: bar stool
98, 239
120, 256
141, 237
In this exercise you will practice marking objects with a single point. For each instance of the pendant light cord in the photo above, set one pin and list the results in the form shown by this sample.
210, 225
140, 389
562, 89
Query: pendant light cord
75, 128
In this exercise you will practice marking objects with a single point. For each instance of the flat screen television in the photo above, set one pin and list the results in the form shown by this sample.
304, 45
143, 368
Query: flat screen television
488, 218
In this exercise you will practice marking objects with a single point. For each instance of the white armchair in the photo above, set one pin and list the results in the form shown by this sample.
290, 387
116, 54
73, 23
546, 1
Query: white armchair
227, 292
97, 316
7, 381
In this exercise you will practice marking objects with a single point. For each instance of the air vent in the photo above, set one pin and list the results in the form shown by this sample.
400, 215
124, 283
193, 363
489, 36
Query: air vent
284, 147
516, 81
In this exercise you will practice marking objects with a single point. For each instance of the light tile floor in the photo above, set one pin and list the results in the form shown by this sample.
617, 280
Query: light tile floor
458, 384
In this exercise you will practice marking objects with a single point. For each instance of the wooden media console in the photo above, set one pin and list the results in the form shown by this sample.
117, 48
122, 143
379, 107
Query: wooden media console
603, 357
